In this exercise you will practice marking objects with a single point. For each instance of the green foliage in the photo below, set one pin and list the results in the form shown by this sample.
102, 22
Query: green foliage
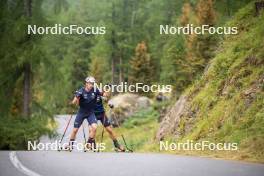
141, 118
141, 69
138, 130
174, 66
16, 132
203, 46
228, 100
99, 66
59, 63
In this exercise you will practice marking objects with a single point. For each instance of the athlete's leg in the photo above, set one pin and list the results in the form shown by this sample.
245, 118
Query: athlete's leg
93, 125
107, 125
111, 133
92, 121
77, 123
73, 134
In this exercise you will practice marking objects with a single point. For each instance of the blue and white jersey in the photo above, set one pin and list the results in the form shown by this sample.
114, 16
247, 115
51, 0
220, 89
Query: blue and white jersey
87, 99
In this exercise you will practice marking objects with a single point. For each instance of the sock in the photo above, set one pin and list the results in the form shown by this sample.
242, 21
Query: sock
71, 142
116, 144
92, 142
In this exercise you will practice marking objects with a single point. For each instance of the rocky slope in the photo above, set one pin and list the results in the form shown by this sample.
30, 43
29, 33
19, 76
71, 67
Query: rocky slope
125, 105
227, 103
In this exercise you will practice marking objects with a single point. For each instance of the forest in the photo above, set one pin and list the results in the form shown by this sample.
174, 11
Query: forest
39, 73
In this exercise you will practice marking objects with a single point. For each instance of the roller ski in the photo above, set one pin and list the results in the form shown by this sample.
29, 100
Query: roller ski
118, 147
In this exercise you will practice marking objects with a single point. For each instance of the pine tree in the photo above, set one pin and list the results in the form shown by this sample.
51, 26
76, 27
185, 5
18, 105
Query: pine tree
97, 69
205, 44
20, 55
199, 48
141, 66
100, 66
186, 14
81, 49
187, 17
174, 65
206, 12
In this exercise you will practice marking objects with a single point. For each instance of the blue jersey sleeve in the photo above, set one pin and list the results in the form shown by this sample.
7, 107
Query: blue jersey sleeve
98, 92
78, 93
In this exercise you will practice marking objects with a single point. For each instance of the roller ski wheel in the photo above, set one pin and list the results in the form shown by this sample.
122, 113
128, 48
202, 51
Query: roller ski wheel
120, 149
123, 151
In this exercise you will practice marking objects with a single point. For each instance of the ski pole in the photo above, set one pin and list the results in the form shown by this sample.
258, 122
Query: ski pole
130, 150
84, 136
102, 134
126, 143
60, 148
66, 127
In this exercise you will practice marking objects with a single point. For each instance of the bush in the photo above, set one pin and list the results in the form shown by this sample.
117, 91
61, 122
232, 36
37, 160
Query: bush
16, 132
141, 117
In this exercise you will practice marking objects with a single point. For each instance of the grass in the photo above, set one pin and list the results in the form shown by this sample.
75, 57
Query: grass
224, 112
138, 130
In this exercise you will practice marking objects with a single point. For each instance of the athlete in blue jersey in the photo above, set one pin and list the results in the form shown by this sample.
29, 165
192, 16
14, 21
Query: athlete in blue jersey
100, 115
86, 97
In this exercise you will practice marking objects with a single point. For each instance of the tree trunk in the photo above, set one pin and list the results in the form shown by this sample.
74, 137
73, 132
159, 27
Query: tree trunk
27, 90
113, 68
114, 59
120, 69
259, 6
27, 67
28, 8
114, 49
228, 8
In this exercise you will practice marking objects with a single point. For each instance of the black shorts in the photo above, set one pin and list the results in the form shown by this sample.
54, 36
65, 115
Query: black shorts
80, 117
102, 117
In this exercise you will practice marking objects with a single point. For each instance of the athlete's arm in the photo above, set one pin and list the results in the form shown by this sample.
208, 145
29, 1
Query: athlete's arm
106, 94
75, 100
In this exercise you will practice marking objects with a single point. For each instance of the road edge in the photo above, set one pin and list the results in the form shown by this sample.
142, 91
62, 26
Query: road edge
17, 164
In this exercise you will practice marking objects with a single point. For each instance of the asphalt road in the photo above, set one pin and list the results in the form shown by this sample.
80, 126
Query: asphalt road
41, 163
115, 164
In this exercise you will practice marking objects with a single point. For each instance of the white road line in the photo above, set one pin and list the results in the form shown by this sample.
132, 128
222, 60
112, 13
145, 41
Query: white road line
14, 160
